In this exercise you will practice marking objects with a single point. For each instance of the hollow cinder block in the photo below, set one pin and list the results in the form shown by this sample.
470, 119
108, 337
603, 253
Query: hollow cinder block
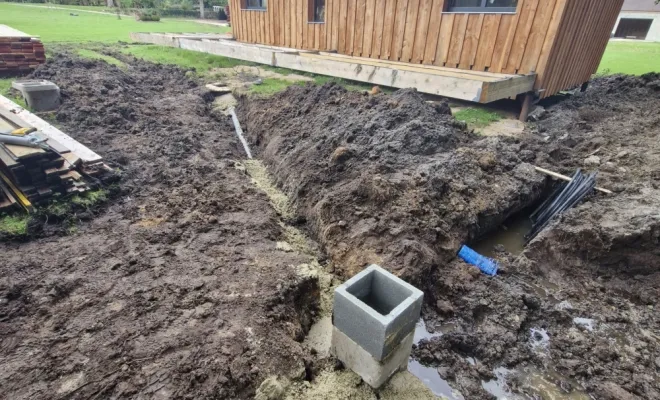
40, 95
376, 310
374, 373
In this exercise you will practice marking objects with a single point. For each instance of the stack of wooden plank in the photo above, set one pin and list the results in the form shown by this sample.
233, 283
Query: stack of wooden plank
7, 199
34, 175
19, 51
40, 174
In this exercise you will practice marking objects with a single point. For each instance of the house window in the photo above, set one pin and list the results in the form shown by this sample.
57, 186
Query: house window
255, 4
482, 5
317, 10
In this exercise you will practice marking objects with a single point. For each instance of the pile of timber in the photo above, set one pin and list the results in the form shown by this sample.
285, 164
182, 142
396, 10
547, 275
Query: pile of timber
41, 173
35, 175
19, 51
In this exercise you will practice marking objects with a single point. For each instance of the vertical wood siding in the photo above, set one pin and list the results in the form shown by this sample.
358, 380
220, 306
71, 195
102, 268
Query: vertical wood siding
561, 40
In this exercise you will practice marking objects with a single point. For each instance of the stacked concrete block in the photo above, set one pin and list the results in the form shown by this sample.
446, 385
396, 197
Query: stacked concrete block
374, 319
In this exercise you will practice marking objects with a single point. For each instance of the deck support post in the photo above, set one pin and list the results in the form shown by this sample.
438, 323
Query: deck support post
527, 100
584, 87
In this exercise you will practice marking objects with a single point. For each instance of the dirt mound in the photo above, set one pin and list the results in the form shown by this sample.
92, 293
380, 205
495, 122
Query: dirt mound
616, 121
175, 290
386, 179
613, 128
394, 180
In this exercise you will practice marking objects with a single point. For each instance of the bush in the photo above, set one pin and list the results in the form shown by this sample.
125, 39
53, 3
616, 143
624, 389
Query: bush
147, 15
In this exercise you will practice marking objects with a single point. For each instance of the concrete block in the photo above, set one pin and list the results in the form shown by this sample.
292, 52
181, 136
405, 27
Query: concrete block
376, 310
40, 95
375, 373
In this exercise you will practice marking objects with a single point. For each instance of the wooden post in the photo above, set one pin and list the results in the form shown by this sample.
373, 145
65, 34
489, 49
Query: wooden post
526, 105
201, 9
584, 87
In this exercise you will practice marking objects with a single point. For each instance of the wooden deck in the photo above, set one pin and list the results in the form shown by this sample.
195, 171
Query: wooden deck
476, 86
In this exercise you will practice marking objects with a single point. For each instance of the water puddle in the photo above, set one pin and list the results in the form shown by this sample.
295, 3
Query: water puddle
511, 235
533, 384
530, 383
587, 323
429, 375
539, 339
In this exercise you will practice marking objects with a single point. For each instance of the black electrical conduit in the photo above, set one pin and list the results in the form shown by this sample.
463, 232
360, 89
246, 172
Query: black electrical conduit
564, 198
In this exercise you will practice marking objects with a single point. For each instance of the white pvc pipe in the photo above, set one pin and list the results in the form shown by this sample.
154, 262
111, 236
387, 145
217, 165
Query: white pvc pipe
239, 132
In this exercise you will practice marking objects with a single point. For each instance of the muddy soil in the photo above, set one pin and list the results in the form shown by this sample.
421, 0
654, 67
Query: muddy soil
176, 289
393, 180
387, 179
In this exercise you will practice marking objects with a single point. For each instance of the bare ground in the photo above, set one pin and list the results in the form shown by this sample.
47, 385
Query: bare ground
183, 285
176, 289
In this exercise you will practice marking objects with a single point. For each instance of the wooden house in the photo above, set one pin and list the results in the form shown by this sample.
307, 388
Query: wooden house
560, 41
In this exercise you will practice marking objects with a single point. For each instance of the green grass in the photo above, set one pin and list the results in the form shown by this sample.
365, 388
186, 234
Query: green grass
5, 90
82, 8
269, 87
630, 58
201, 62
477, 117
58, 26
5, 85
91, 54
14, 225
90, 199
58, 209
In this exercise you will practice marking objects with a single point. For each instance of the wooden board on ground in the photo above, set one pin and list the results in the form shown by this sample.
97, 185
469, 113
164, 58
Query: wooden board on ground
31, 120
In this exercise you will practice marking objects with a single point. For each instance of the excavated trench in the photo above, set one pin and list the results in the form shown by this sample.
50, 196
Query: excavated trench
396, 181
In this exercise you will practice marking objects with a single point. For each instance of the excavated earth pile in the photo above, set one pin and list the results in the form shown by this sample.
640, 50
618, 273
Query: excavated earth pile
394, 180
384, 179
175, 289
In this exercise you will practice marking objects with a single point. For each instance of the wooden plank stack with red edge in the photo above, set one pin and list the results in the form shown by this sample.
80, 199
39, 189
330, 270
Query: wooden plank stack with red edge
19, 51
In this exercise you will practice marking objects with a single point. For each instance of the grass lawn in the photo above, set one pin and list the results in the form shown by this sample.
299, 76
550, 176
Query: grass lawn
94, 55
477, 117
58, 26
202, 62
634, 58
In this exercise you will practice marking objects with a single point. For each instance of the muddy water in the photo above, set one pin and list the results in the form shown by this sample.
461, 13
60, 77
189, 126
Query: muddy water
534, 384
511, 235
429, 375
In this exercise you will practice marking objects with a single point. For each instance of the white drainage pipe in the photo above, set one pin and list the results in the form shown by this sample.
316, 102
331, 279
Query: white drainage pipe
239, 132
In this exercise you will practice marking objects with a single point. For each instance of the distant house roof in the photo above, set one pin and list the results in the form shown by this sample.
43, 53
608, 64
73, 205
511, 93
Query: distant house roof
640, 5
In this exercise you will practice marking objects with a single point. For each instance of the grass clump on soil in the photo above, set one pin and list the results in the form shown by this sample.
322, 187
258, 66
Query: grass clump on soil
93, 55
477, 117
630, 58
91, 198
56, 25
14, 225
201, 62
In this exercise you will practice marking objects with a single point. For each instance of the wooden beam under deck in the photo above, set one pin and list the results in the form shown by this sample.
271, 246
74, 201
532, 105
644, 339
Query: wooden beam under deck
476, 86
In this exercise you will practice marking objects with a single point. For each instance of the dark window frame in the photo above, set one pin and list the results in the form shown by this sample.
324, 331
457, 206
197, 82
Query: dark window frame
245, 5
481, 9
312, 17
